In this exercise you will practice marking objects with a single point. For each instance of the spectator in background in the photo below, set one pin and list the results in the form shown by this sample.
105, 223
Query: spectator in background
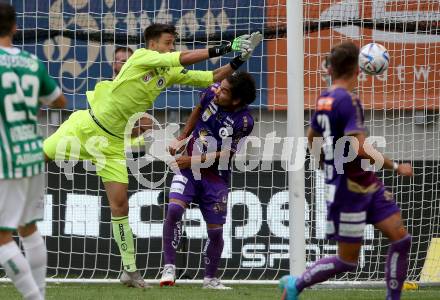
121, 56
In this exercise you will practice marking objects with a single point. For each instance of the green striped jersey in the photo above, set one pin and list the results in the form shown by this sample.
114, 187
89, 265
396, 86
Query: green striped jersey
24, 82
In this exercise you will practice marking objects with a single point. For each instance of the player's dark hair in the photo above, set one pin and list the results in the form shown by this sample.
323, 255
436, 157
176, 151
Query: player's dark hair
155, 30
343, 60
7, 18
242, 86
123, 49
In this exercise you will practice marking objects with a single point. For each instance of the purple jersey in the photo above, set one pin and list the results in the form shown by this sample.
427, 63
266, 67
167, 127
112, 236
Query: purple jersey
355, 197
339, 113
227, 128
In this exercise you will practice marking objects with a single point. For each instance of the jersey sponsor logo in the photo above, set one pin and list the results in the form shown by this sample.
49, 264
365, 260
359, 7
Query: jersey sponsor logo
23, 133
15, 61
209, 111
206, 114
160, 82
325, 103
28, 158
147, 77
224, 132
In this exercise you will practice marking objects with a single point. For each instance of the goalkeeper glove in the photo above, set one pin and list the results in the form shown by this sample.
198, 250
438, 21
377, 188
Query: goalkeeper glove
241, 43
254, 39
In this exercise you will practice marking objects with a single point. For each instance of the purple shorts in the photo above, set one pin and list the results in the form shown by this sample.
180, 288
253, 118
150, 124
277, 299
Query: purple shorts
351, 206
210, 193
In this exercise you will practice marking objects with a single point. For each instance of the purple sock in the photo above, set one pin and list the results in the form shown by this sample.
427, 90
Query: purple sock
322, 270
172, 231
213, 251
397, 267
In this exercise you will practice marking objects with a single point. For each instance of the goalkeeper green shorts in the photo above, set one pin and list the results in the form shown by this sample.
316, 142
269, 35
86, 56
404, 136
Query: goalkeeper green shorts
80, 138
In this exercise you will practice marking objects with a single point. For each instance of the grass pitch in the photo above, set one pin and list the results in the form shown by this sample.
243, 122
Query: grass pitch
66, 291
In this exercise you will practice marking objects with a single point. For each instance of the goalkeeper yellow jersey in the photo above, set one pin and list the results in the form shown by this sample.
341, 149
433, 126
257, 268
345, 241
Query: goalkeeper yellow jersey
142, 78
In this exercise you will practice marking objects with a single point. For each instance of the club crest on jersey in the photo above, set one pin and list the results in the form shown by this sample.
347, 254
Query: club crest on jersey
160, 82
224, 132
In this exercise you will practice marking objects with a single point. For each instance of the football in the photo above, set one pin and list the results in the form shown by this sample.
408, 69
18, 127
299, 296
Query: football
373, 59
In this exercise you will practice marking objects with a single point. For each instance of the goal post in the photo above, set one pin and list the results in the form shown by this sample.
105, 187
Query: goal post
295, 130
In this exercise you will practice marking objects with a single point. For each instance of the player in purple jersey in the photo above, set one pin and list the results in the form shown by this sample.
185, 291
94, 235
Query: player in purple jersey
355, 197
216, 129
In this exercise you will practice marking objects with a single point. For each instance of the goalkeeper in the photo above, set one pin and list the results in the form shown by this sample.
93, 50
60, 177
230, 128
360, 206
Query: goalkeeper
98, 134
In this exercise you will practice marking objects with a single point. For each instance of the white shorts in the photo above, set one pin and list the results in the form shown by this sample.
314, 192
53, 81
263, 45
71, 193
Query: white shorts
21, 201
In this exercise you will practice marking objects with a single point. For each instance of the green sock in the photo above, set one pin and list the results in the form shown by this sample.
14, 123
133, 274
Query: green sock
124, 238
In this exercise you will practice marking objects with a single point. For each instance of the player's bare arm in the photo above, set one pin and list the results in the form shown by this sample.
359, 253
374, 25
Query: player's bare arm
222, 72
315, 150
190, 124
59, 102
365, 149
194, 56
185, 161
143, 124
311, 134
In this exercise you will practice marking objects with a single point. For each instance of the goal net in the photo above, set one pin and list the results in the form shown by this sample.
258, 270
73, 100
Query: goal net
76, 39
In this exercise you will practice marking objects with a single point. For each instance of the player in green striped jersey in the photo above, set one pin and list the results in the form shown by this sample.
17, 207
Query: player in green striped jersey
24, 82
98, 134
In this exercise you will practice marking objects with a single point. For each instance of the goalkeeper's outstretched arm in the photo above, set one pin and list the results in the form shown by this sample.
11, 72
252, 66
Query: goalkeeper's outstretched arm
241, 43
205, 78
244, 44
